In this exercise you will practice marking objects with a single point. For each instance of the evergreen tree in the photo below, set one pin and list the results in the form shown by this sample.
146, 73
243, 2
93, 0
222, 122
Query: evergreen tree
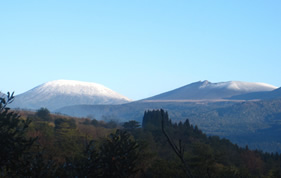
131, 125
13, 141
119, 155
67, 137
44, 114
152, 119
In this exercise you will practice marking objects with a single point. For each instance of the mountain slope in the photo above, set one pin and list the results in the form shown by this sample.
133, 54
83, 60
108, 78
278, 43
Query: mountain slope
61, 93
275, 94
210, 91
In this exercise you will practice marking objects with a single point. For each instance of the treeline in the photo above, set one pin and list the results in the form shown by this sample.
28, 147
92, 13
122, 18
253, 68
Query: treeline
206, 156
44, 145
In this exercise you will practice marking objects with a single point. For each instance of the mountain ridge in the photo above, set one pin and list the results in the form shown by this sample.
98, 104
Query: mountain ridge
63, 93
208, 90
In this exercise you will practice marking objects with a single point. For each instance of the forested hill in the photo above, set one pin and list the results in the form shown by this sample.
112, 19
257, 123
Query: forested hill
256, 124
237, 121
206, 156
62, 146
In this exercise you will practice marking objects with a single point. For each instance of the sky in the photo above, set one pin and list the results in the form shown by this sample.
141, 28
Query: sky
139, 48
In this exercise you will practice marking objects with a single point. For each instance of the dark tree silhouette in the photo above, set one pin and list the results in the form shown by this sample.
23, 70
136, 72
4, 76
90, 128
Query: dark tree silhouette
131, 125
119, 155
116, 157
13, 142
179, 150
44, 114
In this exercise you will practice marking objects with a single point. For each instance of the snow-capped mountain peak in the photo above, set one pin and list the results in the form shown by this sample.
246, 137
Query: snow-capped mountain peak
60, 93
203, 90
77, 87
239, 86
204, 84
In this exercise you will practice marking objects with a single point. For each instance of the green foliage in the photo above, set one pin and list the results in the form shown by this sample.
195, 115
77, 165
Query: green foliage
207, 156
87, 122
62, 123
67, 138
95, 122
13, 142
63, 149
255, 123
38, 164
165, 168
152, 120
44, 114
119, 155
111, 124
91, 167
131, 125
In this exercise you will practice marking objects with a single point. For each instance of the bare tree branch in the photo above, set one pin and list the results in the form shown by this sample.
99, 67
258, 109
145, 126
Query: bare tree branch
178, 150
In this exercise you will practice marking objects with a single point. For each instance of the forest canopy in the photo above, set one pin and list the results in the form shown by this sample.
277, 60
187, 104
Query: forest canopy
49, 145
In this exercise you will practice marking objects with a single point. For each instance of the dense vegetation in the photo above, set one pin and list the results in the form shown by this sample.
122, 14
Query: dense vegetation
255, 123
44, 145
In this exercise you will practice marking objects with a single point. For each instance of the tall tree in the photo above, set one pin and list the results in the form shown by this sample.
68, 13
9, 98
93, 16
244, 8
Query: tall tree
152, 119
119, 155
179, 150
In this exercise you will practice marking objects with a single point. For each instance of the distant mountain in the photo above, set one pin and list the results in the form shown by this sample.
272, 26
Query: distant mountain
192, 93
205, 90
275, 94
61, 93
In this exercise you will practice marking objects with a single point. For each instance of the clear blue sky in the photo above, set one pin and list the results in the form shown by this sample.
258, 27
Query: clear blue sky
139, 48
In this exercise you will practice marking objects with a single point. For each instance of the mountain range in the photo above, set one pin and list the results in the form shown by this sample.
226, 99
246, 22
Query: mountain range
244, 112
64, 93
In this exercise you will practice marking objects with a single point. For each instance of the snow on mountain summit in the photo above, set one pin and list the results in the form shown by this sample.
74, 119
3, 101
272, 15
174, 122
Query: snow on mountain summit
207, 90
239, 86
77, 87
60, 93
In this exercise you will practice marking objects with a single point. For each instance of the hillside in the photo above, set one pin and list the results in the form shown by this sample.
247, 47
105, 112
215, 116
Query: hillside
266, 95
238, 121
73, 147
